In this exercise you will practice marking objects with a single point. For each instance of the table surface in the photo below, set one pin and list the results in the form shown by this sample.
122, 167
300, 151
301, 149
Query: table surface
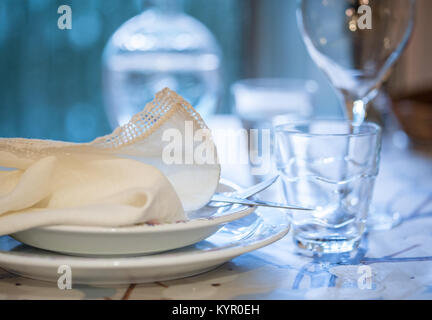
399, 260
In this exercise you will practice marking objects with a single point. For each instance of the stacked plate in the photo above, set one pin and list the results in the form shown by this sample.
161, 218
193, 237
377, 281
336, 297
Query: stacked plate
143, 253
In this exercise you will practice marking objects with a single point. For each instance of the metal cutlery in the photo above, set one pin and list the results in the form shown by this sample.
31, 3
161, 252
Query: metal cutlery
242, 194
261, 203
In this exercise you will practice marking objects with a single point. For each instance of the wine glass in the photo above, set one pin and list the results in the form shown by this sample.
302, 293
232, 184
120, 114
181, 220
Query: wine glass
355, 43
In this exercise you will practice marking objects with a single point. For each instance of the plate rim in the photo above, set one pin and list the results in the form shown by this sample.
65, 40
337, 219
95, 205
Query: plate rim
112, 263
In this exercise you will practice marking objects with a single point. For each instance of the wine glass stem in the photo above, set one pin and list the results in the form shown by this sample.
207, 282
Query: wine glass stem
359, 112
355, 110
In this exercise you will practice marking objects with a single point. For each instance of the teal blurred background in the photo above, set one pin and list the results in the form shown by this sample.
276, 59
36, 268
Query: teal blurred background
50, 79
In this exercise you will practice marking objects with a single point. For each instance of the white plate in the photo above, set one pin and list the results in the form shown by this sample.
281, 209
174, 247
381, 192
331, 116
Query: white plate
238, 237
134, 240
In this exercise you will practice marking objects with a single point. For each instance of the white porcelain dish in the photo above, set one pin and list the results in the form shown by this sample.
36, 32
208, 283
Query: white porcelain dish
134, 240
238, 237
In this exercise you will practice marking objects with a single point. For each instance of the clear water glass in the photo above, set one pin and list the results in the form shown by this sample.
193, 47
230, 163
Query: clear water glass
259, 101
330, 166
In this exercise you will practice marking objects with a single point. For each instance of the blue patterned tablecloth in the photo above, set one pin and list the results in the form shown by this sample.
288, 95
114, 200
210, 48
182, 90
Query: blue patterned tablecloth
397, 263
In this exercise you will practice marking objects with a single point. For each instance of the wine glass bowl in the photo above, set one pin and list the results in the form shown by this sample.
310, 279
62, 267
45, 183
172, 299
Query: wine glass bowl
355, 42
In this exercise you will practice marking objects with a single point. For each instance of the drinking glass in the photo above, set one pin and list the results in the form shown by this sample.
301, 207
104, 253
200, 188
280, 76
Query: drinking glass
355, 43
329, 166
258, 101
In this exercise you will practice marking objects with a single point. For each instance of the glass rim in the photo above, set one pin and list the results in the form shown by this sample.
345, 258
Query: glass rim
375, 129
274, 83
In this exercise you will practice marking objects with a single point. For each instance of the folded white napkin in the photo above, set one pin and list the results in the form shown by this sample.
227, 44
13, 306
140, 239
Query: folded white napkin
117, 180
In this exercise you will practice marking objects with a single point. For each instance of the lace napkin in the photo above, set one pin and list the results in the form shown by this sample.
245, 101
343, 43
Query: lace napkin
125, 178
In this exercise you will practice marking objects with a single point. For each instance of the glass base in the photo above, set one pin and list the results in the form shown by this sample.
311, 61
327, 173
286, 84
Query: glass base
380, 219
326, 246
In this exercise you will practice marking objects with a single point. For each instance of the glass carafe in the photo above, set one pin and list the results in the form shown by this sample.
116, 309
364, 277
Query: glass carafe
161, 47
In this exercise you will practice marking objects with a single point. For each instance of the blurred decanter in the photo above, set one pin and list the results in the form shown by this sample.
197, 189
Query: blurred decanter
161, 47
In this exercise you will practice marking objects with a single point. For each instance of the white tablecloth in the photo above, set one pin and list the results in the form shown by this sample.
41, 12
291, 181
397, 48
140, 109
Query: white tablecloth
399, 260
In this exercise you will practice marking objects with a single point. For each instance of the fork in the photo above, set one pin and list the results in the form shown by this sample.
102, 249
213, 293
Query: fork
243, 194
